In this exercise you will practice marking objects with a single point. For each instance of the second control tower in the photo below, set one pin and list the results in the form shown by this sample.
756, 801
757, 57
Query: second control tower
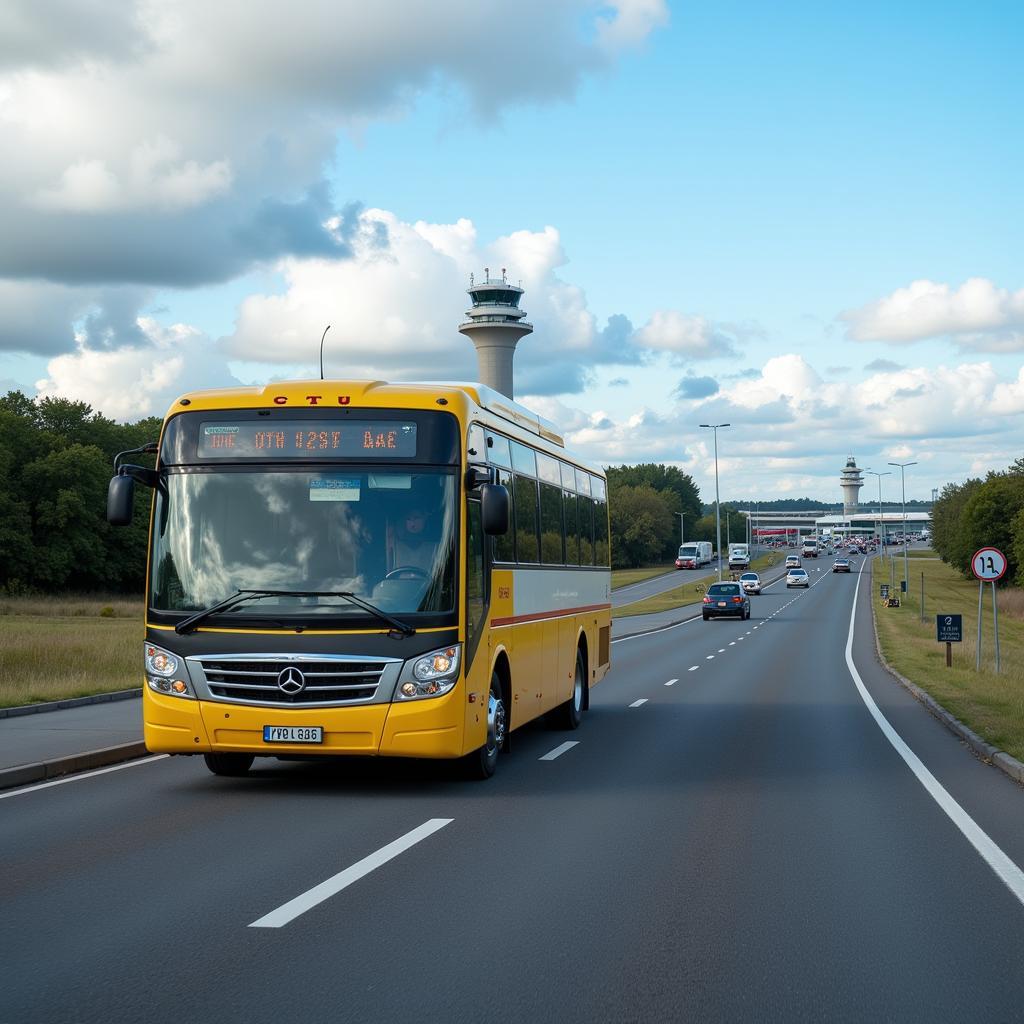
851, 481
495, 326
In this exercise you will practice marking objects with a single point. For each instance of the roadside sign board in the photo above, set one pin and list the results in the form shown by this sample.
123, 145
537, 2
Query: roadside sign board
949, 629
883, 590
988, 564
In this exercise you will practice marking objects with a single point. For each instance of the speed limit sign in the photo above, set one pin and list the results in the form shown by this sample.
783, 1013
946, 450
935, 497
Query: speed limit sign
988, 564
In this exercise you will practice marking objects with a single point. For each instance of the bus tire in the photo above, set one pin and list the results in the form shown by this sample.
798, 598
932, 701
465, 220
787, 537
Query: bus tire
231, 765
569, 714
481, 763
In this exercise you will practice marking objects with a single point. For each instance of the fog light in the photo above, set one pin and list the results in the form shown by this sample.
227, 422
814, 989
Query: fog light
179, 686
408, 689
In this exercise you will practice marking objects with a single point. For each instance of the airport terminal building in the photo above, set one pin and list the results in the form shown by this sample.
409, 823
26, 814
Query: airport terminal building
856, 520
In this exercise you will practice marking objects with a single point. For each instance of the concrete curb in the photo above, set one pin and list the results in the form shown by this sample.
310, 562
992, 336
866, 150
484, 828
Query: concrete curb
71, 702
985, 750
43, 771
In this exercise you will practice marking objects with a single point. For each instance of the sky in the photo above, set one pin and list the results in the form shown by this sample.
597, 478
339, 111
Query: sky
801, 219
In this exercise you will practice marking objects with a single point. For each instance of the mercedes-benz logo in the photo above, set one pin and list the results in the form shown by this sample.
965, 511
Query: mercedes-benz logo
291, 681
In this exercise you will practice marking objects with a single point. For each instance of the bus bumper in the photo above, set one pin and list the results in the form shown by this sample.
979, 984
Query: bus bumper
423, 728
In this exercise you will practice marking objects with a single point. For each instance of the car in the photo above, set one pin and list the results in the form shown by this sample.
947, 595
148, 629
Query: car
797, 578
751, 583
793, 562
725, 599
841, 565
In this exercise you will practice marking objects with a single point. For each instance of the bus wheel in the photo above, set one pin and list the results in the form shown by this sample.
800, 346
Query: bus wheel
233, 765
481, 763
569, 714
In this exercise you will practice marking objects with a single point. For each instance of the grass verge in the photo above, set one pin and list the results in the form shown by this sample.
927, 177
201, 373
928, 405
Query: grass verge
54, 648
992, 705
687, 593
624, 577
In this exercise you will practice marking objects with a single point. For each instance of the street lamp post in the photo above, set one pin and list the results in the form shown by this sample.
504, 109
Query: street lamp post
881, 525
718, 508
682, 517
903, 485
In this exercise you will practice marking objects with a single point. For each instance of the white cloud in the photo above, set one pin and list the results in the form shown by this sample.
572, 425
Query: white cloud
977, 314
129, 383
178, 142
688, 337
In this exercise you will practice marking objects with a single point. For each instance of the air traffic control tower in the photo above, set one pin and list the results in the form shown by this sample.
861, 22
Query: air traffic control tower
851, 481
495, 326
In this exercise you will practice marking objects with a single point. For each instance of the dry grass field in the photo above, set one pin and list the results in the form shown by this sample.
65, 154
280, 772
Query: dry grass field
52, 648
992, 705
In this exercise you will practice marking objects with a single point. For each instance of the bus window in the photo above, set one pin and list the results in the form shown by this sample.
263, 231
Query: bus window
572, 538
586, 513
551, 538
601, 547
527, 541
505, 545
497, 450
524, 460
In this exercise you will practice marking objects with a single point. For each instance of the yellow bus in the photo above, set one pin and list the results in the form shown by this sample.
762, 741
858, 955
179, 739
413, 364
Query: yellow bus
364, 568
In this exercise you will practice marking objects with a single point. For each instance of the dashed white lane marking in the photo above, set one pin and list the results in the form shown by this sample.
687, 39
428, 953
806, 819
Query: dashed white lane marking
559, 750
710, 657
637, 703
672, 682
693, 668
721, 650
1009, 873
732, 643
84, 775
332, 886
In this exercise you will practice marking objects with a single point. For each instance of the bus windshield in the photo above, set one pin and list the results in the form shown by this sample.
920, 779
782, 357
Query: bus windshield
385, 535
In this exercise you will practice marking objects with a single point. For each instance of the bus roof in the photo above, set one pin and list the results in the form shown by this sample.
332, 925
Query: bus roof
331, 393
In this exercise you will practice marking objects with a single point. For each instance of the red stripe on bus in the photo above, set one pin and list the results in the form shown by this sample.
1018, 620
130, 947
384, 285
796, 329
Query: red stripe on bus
511, 620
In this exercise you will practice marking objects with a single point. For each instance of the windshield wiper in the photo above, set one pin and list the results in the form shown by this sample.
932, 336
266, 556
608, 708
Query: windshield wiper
241, 596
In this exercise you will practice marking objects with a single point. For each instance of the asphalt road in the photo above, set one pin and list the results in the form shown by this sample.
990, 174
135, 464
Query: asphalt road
733, 837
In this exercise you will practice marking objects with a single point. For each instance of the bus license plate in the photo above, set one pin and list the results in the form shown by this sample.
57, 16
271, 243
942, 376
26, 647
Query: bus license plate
293, 734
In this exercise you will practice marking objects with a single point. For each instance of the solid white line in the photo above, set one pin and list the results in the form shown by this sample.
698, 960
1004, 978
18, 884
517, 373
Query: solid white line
559, 750
1008, 872
332, 886
637, 703
83, 775
672, 682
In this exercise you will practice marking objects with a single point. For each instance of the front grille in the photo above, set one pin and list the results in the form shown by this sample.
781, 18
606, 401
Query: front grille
327, 680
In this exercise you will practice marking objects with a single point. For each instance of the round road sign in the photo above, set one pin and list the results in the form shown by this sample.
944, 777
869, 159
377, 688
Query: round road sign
988, 564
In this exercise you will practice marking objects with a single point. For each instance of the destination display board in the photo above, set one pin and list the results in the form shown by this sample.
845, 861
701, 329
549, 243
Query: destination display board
306, 439
949, 629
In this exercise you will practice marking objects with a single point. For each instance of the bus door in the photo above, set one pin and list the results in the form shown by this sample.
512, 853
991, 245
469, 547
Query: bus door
477, 602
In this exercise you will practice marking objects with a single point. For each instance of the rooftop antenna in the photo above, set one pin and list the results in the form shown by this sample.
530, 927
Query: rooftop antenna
503, 275
471, 281
487, 275
326, 329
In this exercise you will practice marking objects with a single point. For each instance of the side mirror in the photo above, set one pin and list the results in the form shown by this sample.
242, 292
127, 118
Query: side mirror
494, 509
119, 500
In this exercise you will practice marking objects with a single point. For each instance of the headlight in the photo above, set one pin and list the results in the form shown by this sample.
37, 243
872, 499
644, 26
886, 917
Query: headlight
160, 663
165, 673
433, 675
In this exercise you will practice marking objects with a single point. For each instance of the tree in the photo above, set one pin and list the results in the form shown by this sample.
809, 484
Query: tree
641, 523
988, 518
948, 537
